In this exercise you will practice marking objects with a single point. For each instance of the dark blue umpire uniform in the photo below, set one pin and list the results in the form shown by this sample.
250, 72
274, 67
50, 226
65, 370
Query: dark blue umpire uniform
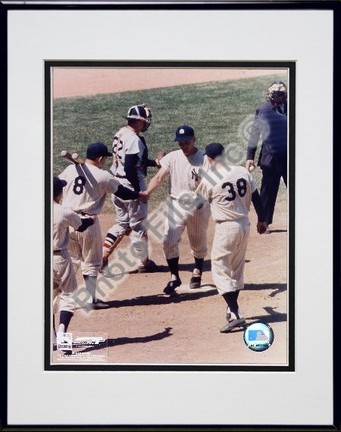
270, 125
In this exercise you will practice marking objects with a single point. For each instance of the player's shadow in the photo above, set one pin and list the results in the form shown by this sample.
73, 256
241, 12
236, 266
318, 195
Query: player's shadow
160, 299
276, 288
277, 230
129, 340
271, 316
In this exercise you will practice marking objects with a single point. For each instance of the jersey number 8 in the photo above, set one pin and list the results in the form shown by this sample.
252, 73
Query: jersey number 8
78, 186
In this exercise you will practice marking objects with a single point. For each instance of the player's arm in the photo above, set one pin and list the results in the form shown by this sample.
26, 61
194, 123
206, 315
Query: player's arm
130, 164
125, 193
77, 223
86, 222
156, 181
253, 142
156, 162
114, 187
258, 205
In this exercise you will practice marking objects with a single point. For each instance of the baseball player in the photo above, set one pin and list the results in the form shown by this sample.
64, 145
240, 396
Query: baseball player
64, 279
270, 124
230, 190
183, 166
85, 192
130, 162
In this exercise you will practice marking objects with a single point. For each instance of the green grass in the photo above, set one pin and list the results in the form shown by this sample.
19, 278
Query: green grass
214, 109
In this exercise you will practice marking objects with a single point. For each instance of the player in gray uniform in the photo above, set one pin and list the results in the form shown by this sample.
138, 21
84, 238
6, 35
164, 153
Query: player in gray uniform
87, 186
230, 190
130, 162
64, 279
183, 167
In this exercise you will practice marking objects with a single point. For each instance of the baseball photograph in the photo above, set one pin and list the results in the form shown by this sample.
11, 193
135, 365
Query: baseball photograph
168, 215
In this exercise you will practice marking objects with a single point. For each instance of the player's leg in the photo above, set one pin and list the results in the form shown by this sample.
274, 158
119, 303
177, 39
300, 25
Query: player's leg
55, 297
91, 242
67, 304
197, 234
118, 230
174, 227
138, 212
234, 317
268, 193
226, 238
283, 166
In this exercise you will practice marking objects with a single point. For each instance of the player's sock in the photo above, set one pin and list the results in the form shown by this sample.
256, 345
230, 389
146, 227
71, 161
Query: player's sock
64, 321
199, 262
108, 242
90, 284
231, 300
173, 264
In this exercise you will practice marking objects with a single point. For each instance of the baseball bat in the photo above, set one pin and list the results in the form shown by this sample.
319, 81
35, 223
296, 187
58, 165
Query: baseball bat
65, 154
77, 159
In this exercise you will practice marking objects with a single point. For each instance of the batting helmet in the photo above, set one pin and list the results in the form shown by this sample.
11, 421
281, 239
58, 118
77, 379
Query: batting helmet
140, 112
277, 93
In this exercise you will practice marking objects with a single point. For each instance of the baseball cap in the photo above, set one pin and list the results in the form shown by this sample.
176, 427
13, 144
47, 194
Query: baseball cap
214, 150
184, 133
96, 150
58, 185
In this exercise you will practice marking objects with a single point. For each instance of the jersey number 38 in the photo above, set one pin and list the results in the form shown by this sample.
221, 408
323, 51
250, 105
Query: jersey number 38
241, 185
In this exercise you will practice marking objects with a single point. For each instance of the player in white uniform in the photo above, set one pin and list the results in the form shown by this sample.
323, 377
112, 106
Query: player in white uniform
183, 167
230, 190
130, 161
64, 279
87, 186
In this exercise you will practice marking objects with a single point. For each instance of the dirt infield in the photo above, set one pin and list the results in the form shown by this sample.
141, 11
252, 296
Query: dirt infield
144, 326
69, 82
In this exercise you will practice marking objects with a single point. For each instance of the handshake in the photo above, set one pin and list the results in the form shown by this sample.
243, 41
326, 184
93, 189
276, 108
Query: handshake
144, 196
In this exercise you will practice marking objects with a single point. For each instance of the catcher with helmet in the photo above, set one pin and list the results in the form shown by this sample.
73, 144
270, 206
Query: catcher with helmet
270, 125
129, 166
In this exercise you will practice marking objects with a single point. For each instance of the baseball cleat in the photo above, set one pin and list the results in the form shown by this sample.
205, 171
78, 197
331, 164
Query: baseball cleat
240, 322
106, 272
97, 304
171, 286
195, 281
150, 267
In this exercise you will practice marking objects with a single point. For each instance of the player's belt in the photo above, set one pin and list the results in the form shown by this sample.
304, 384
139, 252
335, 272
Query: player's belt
120, 176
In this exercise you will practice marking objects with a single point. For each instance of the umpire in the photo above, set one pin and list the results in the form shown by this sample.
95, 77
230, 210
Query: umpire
270, 125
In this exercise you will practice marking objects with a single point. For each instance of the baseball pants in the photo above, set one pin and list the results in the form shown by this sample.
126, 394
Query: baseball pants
132, 214
228, 255
64, 283
271, 178
175, 225
86, 249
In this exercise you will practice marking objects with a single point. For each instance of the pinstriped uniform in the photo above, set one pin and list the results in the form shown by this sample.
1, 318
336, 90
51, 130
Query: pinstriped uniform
184, 174
64, 279
229, 190
85, 192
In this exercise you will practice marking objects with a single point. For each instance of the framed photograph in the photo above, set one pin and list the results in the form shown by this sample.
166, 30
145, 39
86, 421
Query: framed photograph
145, 150
187, 88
